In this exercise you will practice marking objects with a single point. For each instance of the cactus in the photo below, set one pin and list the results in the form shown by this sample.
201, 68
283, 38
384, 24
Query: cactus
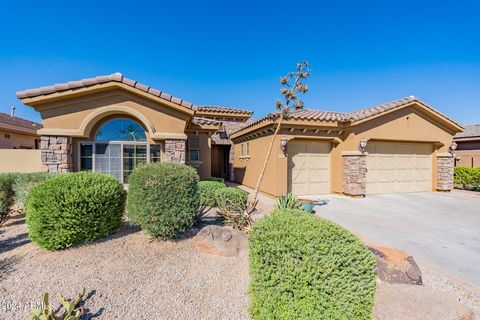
288, 201
70, 306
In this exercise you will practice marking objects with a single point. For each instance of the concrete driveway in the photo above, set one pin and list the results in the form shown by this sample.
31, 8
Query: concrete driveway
442, 229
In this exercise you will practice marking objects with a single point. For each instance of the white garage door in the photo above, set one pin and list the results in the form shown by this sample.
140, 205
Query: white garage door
309, 167
395, 167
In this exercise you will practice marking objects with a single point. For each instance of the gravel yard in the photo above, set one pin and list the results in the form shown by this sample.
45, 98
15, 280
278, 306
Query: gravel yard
126, 277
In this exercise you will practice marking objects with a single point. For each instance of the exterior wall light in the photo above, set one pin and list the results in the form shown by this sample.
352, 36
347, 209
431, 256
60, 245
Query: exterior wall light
362, 146
453, 147
283, 144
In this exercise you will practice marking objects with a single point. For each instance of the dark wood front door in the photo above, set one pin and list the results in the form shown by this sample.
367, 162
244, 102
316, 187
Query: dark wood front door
220, 157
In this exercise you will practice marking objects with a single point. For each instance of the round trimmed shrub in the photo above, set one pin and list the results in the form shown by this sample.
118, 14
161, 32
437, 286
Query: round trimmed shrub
7, 195
231, 199
75, 208
163, 198
305, 267
207, 192
216, 179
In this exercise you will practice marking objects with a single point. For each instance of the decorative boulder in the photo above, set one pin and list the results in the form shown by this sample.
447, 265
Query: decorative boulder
220, 241
396, 266
400, 302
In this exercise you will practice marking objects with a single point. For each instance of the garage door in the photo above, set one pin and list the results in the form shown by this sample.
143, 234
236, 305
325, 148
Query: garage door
399, 167
309, 167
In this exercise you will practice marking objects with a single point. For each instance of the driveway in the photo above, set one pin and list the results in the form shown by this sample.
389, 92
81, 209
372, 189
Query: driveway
441, 229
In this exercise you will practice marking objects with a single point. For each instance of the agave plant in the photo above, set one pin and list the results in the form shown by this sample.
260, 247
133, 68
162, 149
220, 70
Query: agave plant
72, 312
288, 201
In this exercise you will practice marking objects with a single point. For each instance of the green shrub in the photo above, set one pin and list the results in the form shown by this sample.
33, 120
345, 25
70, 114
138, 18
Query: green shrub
206, 192
231, 199
214, 179
163, 198
24, 182
74, 208
305, 267
6, 196
288, 201
467, 178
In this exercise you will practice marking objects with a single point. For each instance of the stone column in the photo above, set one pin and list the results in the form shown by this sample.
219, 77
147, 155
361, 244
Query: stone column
175, 151
231, 162
445, 169
56, 154
354, 173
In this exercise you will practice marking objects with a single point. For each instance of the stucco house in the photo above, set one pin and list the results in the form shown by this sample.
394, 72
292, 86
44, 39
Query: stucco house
400, 146
468, 147
112, 124
18, 133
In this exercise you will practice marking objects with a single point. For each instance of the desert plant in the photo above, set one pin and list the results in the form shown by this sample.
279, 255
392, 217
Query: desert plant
74, 208
306, 267
232, 205
216, 179
292, 87
6, 196
72, 312
24, 182
467, 178
207, 195
163, 198
288, 201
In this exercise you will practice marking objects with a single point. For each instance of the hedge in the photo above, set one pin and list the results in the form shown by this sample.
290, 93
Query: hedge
163, 198
207, 192
467, 178
6, 195
305, 267
216, 179
74, 208
231, 199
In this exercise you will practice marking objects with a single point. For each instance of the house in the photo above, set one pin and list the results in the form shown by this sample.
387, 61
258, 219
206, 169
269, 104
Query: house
18, 133
400, 146
112, 124
468, 147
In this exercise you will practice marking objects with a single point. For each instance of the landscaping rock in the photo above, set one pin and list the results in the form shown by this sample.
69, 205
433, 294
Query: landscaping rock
400, 302
396, 266
220, 241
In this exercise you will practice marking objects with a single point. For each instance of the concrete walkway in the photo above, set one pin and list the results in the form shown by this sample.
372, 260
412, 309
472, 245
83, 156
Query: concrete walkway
442, 229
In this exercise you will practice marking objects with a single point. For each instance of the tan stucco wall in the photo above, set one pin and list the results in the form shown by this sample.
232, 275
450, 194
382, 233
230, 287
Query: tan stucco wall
406, 125
204, 169
71, 115
16, 140
20, 160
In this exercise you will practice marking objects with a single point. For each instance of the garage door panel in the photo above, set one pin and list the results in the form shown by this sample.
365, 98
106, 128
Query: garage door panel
399, 167
309, 167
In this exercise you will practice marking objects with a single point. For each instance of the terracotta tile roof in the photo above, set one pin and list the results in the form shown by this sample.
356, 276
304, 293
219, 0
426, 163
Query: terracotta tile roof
471, 131
206, 121
19, 122
319, 115
116, 77
222, 109
223, 137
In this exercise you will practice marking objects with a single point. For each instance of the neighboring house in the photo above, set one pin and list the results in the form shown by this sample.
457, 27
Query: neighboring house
112, 124
18, 133
401, 146
468, 147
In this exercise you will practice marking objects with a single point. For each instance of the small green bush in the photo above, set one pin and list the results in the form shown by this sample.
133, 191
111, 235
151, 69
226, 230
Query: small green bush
6, 196
207, 192
288, 201
231, 199
24, 182
216, 179
74, 208
467, 178
305, 267
163, 198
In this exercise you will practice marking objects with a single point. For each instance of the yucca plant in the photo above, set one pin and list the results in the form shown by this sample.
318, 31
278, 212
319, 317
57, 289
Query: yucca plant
288, 201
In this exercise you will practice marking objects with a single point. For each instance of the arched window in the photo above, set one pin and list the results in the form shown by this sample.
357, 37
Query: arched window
121, 130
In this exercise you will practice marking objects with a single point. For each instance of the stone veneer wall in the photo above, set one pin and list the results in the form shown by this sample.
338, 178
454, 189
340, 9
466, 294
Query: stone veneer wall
231, 161
175, 151
56, 154
354, 173
445, 170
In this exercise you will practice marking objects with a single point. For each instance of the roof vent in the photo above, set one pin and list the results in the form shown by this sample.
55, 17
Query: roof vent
12, 112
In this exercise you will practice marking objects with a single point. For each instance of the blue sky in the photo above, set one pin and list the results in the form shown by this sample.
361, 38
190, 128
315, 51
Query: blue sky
232, 53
